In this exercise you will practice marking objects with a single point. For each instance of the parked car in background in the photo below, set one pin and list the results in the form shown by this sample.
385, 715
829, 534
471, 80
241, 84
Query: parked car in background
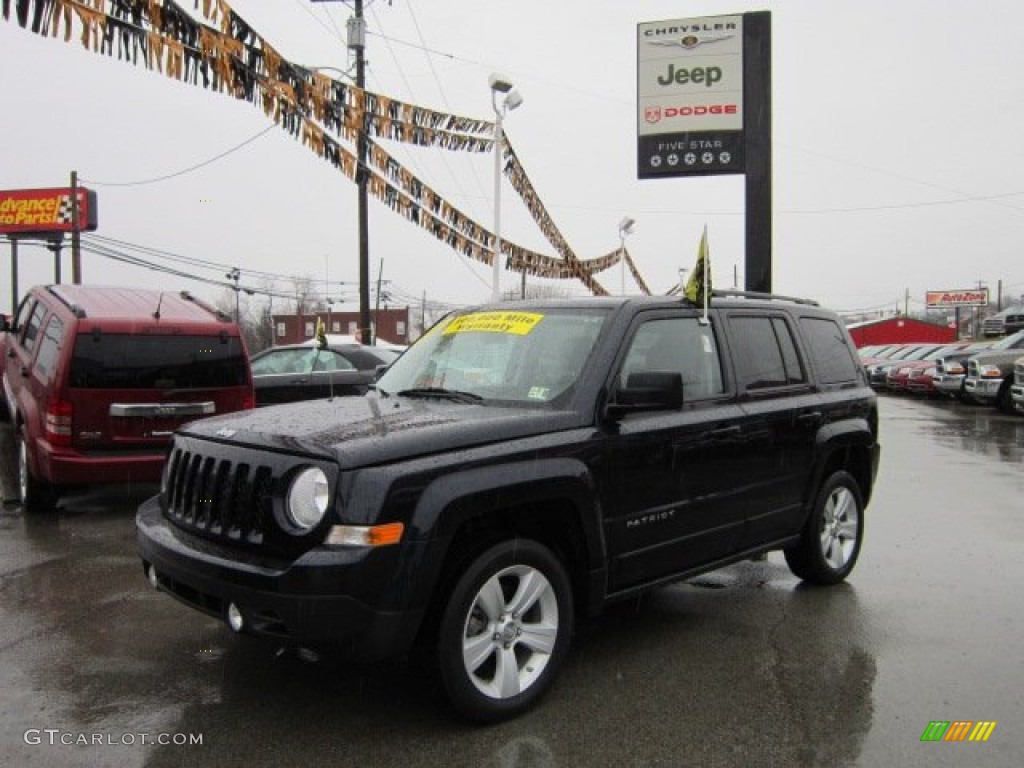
97, 379
951, 369
990, 373
878, 371
295, 372
1005, 322
1017, 389
899, 376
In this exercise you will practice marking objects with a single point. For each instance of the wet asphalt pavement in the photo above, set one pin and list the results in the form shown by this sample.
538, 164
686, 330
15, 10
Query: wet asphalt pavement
742, 667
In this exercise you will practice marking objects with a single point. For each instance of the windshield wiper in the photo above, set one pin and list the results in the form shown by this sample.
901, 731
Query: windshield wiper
440, 392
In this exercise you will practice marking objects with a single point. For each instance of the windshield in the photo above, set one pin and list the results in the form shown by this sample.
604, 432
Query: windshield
530, 356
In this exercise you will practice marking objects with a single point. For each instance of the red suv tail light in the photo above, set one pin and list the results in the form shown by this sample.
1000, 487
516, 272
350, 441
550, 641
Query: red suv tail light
248, 401
58, 422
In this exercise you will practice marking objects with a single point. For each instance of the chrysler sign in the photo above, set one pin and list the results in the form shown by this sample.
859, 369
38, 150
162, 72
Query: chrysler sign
690, 96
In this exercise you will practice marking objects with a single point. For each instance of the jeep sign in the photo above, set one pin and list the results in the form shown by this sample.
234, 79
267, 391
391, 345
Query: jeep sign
690, 96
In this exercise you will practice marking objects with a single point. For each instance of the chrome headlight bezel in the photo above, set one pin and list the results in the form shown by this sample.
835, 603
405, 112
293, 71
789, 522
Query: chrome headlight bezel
307, 499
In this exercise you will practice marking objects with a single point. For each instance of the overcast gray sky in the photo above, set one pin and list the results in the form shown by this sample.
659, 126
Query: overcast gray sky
897, 162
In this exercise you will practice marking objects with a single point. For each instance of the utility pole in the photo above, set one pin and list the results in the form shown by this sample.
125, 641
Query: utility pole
357, 42
235, 274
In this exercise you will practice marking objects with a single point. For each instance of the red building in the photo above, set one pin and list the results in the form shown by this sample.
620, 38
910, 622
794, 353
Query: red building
391, 325
899, 330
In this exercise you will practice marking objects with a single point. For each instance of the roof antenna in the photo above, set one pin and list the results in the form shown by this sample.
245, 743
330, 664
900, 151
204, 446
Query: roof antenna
159, 301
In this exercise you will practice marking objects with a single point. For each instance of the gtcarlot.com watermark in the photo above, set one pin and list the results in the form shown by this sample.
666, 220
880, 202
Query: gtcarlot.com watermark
55, 737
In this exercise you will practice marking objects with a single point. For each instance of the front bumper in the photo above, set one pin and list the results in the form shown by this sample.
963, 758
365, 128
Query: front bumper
1017, 395
982, 389
949, 384
342, 598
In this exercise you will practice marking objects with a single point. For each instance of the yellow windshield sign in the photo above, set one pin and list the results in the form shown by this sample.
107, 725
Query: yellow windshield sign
515, 323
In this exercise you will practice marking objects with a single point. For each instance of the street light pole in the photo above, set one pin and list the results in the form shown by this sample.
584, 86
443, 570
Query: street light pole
499, 84
625, 228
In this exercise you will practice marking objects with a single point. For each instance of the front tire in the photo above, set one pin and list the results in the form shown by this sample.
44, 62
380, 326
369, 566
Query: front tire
36, 495
1004, 400
831, 539
505, 630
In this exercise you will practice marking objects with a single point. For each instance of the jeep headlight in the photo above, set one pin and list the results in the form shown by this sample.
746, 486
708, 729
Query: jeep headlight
307, 498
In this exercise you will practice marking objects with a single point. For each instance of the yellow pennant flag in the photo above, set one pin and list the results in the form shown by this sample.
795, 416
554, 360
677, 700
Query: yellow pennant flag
321, 334
698, 287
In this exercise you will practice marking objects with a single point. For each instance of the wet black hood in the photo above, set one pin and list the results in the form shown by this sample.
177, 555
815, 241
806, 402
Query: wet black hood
361, 431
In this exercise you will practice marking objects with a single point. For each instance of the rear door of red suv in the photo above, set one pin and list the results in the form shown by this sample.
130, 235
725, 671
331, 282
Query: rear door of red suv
131, 390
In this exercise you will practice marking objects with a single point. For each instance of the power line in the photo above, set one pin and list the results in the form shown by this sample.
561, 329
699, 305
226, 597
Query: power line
191, 168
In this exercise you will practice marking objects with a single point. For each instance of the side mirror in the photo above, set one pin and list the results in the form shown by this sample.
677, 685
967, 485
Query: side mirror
379, 371
648, 391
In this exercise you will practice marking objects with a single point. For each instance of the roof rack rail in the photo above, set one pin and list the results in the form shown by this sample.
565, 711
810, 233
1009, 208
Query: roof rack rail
76, 310
218, 313
759, 295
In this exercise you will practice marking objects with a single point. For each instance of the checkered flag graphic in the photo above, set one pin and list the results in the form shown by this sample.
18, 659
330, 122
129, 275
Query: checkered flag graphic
64, 210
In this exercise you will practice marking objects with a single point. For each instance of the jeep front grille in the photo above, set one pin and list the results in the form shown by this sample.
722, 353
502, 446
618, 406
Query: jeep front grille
217, 498
973, 371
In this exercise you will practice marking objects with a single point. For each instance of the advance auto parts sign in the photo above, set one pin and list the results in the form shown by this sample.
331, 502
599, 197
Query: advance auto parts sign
690, 97
24, 211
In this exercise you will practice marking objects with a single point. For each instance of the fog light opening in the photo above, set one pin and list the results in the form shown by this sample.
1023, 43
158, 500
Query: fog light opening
154, 581
235, 619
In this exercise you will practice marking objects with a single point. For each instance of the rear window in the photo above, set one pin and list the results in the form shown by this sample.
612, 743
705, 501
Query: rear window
123, 361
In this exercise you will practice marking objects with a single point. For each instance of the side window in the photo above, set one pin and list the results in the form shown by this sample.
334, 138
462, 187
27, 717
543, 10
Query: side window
49, 347
21, 314
832, 356
681, 345
332, 361
35, 321
794, 370
765, 354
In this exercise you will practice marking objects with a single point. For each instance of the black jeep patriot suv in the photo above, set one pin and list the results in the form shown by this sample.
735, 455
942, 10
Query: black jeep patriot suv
520, 466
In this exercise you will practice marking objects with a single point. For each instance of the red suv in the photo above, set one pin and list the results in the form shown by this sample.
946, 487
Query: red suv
96, 380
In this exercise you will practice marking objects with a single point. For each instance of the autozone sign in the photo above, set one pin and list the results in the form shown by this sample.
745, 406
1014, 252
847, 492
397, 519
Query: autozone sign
24, 211
972, 297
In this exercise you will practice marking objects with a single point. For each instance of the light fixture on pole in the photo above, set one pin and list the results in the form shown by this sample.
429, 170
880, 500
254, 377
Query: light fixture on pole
512, 99
625, 228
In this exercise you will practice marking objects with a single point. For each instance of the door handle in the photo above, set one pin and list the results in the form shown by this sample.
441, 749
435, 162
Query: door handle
811, 417
723, 433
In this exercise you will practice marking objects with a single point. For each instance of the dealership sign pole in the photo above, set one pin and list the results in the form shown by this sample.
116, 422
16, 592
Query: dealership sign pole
704, 108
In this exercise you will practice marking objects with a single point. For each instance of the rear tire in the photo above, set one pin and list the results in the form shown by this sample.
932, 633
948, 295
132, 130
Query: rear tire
505, 630
831, 539
36, 495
